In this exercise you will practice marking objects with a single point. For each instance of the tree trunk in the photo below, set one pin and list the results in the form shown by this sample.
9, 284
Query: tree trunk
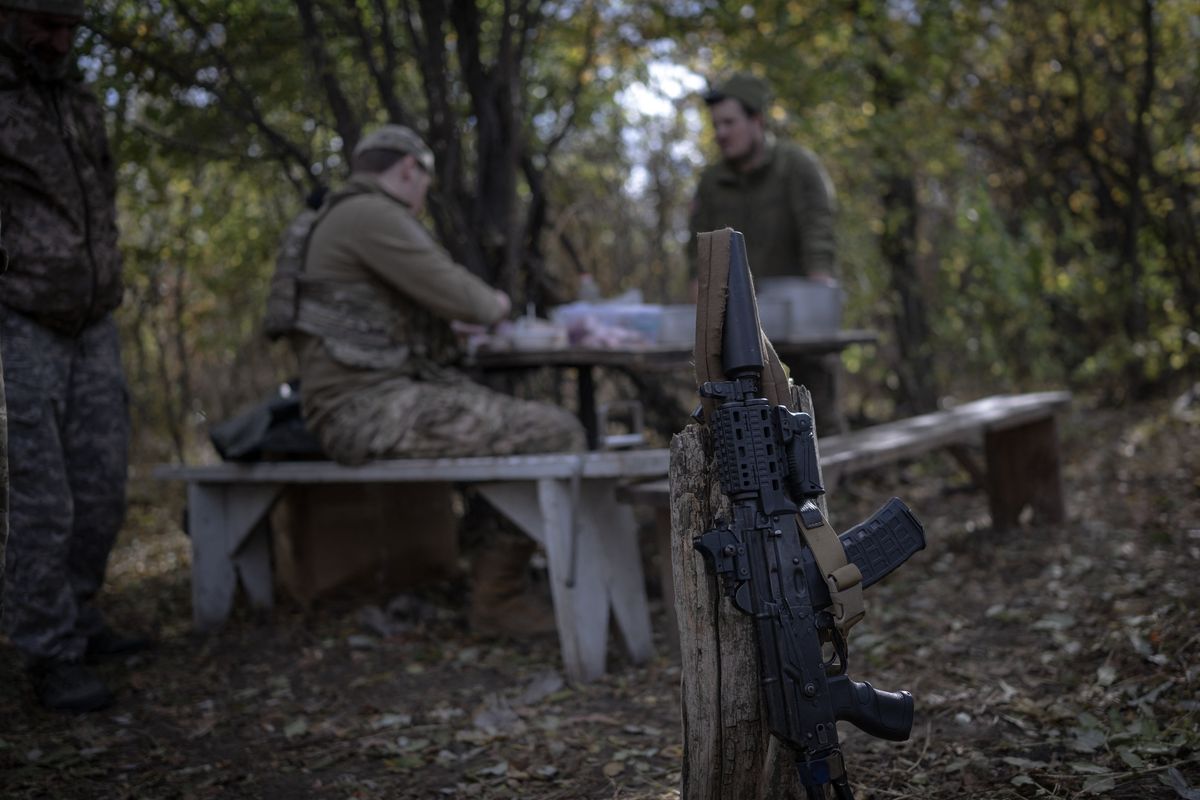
899, 248
728, 751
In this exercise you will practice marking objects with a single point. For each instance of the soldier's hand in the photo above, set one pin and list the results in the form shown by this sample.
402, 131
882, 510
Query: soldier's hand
505, 303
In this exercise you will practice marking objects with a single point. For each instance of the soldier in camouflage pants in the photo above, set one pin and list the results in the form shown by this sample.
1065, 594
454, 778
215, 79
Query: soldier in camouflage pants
374, 301
68, 424
448, 417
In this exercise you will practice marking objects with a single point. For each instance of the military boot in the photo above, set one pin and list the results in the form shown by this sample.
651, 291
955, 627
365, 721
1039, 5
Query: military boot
69, 686
107, 642
503, 602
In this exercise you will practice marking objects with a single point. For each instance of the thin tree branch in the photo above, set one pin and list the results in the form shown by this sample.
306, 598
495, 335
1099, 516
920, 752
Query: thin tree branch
383, 74
249, 106
344, 118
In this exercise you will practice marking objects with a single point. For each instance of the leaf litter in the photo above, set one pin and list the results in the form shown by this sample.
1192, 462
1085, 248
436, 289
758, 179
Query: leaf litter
1050, 661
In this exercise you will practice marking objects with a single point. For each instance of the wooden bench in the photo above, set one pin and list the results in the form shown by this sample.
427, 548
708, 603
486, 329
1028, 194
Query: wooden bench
1020, 444
565, 501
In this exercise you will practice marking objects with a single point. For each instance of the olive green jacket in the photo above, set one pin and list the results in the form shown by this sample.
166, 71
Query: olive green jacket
785, 208
376, 299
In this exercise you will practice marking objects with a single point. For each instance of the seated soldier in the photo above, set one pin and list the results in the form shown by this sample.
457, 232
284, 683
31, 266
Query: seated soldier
377, 355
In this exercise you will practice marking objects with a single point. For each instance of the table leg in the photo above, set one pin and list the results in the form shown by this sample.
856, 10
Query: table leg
586, 386
1023, 469
227, 539
581, 600
253, 563
518, 501
612, 528
594, 564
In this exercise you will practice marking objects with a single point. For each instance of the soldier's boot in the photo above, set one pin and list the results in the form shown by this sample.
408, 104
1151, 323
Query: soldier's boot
69, 686
503, 602
108, 642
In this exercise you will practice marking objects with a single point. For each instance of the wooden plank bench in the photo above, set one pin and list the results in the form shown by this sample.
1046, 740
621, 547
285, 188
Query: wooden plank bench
1020, 443
565, 501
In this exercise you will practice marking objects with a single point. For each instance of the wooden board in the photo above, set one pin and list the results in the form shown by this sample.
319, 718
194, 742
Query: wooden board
608, 464
968, 424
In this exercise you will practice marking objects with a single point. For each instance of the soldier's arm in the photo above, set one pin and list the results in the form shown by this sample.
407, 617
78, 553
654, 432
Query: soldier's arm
814, 202
399, 250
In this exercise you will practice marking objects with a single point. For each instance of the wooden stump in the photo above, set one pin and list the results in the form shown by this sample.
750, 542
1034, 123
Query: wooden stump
728, 751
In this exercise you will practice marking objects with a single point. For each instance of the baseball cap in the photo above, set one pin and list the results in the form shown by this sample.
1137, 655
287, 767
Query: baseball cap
399, 138
750, 90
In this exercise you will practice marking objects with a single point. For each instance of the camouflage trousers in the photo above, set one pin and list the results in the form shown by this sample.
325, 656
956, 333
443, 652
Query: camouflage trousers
448, 417
68, 440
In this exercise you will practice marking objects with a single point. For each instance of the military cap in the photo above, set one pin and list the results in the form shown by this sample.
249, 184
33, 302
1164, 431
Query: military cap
750, 90
61, 8
398, 138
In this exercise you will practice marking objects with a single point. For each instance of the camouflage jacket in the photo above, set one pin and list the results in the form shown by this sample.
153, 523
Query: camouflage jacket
280, 318
785, 208
57, 199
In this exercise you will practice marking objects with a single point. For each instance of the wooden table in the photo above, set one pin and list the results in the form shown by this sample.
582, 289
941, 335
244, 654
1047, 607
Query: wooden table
650, 358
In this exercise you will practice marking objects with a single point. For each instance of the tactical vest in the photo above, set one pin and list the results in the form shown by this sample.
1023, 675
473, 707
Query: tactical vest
280, 319
362, 325
364, 328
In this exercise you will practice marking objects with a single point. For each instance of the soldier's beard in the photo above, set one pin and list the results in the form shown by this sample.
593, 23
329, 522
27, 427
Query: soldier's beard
44, 63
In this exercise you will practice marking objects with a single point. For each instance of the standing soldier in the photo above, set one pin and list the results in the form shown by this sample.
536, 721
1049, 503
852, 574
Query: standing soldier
778, 194
68, 433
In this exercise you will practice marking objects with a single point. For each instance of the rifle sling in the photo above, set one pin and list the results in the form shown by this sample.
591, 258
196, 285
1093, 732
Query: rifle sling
843, 578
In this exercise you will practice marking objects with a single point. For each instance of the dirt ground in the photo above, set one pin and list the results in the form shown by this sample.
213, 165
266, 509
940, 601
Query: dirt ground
1047, 662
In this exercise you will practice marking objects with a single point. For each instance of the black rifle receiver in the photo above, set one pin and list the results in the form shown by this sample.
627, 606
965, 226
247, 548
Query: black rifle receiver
767, 465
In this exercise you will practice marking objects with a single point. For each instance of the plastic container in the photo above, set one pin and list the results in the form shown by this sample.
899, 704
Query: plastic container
774, 314
678, 326
798, 308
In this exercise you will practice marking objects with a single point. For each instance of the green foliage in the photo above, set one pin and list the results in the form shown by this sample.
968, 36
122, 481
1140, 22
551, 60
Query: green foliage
1019, 185
1053, 153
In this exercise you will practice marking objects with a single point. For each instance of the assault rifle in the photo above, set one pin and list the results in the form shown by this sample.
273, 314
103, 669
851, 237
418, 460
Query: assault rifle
773, 562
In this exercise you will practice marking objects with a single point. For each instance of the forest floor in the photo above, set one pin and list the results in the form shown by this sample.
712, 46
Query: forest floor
1048, 662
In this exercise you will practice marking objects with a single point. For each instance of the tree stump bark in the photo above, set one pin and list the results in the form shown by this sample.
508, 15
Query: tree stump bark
728, 751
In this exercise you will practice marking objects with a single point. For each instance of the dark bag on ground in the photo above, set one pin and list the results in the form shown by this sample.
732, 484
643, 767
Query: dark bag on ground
270, 430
